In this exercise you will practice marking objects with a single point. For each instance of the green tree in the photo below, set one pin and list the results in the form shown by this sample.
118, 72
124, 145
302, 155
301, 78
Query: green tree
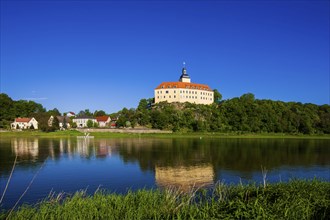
99, 113
90, 123
55, 124
73, 125
64, 123
217, 96
84, 113
54, 112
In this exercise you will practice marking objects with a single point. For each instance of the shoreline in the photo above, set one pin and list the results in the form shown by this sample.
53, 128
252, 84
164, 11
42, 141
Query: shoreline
153, 133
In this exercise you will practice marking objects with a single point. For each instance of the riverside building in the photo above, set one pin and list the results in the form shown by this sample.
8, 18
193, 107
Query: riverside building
184, 91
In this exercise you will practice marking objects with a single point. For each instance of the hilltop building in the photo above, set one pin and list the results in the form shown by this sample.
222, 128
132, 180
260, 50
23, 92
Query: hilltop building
184, 91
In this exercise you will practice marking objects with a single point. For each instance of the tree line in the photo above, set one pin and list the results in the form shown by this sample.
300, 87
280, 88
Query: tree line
239, 114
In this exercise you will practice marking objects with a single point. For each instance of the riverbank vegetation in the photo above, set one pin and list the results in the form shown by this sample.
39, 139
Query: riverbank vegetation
297, 199
239, 115
243, 115
200, 135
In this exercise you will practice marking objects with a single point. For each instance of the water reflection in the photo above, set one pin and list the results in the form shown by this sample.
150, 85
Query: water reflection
25, 147
185, 177
175, 161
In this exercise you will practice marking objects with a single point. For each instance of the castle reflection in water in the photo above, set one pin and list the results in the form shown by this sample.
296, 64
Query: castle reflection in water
181, 163
183, 177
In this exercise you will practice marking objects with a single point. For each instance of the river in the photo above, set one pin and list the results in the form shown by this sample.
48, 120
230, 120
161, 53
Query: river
71, 164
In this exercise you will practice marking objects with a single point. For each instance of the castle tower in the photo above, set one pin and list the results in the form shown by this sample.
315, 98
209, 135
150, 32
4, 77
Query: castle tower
184, 76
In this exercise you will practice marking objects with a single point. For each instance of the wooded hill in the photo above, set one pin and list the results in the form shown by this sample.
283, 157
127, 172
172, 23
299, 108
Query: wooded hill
243, 114
240, 114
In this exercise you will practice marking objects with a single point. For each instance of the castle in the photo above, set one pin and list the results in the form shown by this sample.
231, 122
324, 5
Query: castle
184, 91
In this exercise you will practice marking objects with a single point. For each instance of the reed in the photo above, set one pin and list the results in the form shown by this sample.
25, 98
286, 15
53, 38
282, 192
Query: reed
297, 199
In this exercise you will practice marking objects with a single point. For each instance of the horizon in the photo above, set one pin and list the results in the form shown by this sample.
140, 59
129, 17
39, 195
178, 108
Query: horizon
77, 55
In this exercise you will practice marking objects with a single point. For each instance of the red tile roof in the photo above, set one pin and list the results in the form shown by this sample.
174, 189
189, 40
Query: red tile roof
183, 85
102, 118
23, 119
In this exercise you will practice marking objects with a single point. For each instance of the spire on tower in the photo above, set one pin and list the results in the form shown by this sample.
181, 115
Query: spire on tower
184, 76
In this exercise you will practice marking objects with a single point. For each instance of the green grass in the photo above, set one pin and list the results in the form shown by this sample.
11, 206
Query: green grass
298, 199
73, 133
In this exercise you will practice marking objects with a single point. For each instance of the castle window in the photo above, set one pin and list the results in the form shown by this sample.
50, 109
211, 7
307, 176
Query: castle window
166, 91
174, 86
174, 91
170, 97
175, 96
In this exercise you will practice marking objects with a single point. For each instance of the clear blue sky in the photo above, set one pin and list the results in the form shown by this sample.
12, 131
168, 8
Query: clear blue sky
77, 55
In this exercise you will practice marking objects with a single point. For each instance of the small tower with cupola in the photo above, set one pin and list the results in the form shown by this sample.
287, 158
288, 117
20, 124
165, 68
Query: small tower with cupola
184, 76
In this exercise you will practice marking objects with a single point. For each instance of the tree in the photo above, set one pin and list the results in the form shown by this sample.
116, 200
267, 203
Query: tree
55, 124
90, 123
73, 125
84, 113
99, 113
217, 96
248, 97
64, 123
54, 112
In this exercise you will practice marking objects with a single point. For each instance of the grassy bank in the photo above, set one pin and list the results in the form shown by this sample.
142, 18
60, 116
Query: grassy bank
73, 133
297, 199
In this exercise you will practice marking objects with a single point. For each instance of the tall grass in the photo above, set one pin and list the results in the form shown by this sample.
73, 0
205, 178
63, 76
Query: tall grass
298, 199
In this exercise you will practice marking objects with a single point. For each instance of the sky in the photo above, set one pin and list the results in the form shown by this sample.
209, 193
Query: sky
107, 55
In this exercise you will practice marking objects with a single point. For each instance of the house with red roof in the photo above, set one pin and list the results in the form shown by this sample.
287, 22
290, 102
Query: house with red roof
71, 114
103, 121
24, 123
184, 91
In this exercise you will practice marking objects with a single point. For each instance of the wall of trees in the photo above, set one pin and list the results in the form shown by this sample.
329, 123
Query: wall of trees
243, 114
240, 114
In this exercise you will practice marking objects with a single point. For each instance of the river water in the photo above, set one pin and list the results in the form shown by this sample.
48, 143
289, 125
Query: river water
72, 164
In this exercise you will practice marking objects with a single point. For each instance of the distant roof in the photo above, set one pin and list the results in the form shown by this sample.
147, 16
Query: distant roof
72, 113
102, 118
23, 119
183, 85
61, 119
85, 117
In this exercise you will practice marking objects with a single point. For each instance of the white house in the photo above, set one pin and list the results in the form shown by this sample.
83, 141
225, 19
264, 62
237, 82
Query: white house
61, 120
24, 123
103, 121
71, 114
82, 121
